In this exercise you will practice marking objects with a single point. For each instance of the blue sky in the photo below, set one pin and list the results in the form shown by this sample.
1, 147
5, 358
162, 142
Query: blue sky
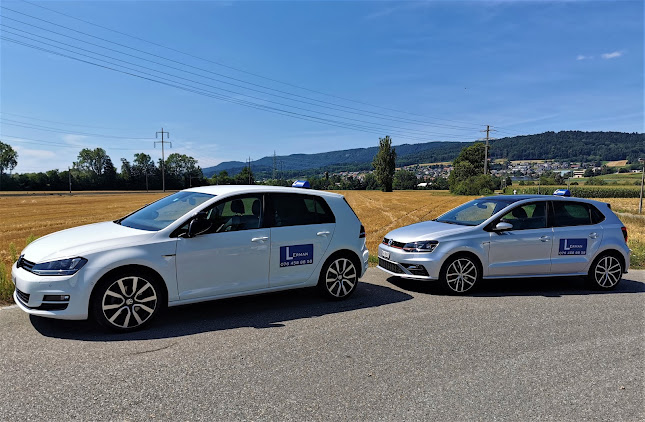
437, 70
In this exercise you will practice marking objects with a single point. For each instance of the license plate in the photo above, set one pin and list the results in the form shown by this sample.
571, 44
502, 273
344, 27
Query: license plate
385, 254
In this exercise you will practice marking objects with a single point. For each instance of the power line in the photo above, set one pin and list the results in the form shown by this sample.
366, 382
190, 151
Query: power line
336, 106
18, 123
234, 68
387, 127
199, 91
54, 121
59, 144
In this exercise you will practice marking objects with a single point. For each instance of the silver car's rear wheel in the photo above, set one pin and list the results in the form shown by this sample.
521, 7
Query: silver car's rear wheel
126, 302
460, 275
339, 278
606, 272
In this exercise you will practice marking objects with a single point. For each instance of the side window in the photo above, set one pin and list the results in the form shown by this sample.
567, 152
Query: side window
298, 210
527, 217
570, 214
240, 213
596, 216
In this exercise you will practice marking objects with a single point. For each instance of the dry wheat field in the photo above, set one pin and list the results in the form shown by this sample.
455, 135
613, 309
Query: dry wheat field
27, 217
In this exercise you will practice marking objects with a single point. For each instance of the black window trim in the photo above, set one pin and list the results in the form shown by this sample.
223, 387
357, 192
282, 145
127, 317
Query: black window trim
587, 205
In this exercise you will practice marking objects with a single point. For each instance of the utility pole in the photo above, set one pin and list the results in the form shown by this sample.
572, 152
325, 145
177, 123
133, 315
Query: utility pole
273, 164
163, 157
249, 170
147, 178
69, 177
488, 138
640, 204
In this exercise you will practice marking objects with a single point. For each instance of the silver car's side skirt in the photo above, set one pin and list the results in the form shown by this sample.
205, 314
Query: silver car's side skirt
533, 276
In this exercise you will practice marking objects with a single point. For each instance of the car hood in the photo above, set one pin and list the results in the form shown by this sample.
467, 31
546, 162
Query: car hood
83, 240
427, 230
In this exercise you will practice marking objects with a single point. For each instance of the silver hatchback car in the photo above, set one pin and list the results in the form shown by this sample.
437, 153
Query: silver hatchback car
511, 236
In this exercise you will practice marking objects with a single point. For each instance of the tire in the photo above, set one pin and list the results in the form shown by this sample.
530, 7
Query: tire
338, 278
127, 301
460, 274
605, 272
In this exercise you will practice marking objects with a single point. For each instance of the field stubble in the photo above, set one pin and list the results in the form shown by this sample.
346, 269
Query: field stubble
24, 218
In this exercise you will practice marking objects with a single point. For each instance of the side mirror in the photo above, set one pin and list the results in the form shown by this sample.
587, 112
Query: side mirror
198, 225
503, 226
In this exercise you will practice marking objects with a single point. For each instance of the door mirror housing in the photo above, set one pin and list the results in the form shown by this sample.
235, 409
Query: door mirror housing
198, 225
503, 226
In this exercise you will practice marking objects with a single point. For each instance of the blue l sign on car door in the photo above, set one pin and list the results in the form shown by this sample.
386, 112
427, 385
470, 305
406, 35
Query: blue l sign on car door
573, 247
296, 255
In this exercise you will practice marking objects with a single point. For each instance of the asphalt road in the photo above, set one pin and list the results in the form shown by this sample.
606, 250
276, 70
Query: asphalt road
516, 350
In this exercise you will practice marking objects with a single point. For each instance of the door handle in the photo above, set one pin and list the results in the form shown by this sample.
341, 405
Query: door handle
260, 239
545, 238
325, 233
593, 235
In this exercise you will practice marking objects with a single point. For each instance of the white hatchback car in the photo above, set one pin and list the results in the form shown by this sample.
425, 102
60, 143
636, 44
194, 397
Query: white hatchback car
195, 245
511, 236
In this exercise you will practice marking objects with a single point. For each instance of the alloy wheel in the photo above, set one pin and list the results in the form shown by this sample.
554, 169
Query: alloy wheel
461, 275
129, 302
341, 277
608, 272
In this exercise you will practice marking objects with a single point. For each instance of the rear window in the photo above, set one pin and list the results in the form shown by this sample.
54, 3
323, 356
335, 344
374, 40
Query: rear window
298, 210
575, 214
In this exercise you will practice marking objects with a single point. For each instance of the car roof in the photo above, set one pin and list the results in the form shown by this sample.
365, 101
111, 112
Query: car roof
517, 198
235, 189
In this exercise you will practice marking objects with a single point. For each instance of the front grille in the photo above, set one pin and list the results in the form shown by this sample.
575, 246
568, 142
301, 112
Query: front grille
23, 263
394, 244
390, 266
24, 297
52, 306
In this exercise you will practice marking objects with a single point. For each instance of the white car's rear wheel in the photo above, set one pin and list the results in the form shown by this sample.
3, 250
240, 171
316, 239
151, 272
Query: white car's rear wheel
460, 274
605, 273
338, 278
126, 302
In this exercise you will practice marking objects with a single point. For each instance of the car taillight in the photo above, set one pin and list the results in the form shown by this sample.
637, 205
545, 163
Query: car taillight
624, 229
361, 235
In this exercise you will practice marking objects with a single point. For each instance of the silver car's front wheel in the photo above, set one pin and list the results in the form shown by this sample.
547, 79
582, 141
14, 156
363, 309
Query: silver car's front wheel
606, 272
339, 278
126, 303
460, 275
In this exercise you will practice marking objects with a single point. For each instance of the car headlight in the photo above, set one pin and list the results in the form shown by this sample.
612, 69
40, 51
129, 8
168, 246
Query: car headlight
61, 267
421, 246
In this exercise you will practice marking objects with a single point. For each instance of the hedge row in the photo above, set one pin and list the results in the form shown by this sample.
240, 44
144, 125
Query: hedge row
581, 191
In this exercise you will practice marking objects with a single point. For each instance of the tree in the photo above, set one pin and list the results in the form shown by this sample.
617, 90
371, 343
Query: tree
404, 179
245, 177
180, 168
467, 176
384, 164
8, 159
370, 182
92, 161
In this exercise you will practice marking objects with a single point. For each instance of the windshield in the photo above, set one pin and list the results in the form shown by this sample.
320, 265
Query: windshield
165, 211
474, 212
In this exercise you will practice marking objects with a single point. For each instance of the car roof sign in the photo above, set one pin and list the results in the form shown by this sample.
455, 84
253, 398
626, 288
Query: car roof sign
562, 192
301, 184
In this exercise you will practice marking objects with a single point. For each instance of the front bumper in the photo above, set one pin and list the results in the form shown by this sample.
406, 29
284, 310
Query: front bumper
31, 290
419, 266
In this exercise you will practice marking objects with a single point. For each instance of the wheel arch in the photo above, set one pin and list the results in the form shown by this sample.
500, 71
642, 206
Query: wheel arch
124, 269
469, 254
347, 253
613, 252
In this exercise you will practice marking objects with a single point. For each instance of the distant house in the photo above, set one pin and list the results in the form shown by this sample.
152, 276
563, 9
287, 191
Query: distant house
423, 185
578, 174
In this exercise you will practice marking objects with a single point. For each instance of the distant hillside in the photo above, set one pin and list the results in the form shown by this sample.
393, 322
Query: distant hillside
566, 145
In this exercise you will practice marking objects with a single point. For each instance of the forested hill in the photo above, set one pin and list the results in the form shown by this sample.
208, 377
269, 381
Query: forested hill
565, 145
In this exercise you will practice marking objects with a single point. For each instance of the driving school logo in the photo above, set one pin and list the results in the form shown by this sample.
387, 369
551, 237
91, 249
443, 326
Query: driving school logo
573, 247
296, 255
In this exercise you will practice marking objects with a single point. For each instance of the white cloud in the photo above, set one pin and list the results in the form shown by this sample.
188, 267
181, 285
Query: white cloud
612, 55
73, 139
582, 57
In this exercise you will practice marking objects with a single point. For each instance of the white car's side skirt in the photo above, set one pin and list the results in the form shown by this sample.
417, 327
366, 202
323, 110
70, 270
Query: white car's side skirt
533, 276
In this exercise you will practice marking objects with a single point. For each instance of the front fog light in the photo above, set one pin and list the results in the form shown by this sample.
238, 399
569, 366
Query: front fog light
56, 298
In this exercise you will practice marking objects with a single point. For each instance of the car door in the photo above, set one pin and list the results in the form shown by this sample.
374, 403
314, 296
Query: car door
231, 255
577, 237
526, 248
302, 227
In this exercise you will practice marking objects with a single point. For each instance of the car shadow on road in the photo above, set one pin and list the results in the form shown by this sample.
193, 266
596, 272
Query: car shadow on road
546, 286
260, 311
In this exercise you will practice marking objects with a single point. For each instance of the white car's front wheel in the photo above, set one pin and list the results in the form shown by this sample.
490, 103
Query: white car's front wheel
126, 301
